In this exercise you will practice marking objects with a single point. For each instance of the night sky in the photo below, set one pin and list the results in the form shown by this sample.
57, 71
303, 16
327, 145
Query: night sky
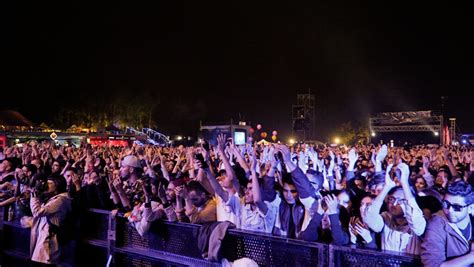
216, 61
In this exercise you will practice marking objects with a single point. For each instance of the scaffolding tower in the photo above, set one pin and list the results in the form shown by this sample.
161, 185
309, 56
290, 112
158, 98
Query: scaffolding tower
452, 130
303, 115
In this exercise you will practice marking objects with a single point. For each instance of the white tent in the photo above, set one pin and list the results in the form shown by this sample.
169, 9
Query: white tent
264, 142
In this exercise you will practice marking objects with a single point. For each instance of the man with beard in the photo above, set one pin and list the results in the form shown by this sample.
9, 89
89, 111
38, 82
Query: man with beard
58, 166
200, 206
126, 187
449, 232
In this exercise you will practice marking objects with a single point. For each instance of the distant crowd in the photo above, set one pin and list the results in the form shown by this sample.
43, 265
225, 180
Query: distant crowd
417, 200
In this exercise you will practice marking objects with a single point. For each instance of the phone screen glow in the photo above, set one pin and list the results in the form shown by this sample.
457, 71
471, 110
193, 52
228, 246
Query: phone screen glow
239, 138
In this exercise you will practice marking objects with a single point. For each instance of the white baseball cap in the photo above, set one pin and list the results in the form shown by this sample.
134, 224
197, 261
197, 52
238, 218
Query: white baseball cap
131, 161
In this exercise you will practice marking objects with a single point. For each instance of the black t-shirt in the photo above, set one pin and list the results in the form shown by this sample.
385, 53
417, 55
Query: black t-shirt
291, 225
467, 231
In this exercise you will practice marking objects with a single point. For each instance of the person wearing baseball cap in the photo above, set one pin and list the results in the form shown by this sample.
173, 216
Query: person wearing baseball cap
130, 166
130, 189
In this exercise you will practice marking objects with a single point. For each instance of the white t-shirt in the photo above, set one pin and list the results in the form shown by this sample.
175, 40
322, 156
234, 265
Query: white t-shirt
230, 210
255, 220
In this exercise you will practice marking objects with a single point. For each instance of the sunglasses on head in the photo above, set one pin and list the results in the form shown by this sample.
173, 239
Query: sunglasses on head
456, 207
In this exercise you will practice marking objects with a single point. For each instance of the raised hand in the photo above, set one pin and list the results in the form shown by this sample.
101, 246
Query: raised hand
331, 163
180, 191
353, 157
405, 170
221, 142
332, 204
145, 192
362, 231
253, 162
162, 194
388, 180
383, 151
446, 155
285, 151
118, 185
426, 162
372, 156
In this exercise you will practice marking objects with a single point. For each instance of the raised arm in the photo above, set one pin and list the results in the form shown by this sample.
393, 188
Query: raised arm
240, 158
178, 163
339, 236
225, 160
449, 162
426, 173
214, 183
302, 184
118, 185
382, 153
353, 156
166, 174
257, 195
373, 219
413, 213
230, 173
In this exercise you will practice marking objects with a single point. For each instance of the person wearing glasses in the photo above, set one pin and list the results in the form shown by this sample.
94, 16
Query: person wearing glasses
449, 233
402, 225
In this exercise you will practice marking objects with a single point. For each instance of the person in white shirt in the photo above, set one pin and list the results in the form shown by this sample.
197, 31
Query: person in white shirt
257, 214
225, 187
403, 223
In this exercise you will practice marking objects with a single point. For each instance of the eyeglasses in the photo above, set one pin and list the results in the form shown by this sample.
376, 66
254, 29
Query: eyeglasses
395, 201
456, 207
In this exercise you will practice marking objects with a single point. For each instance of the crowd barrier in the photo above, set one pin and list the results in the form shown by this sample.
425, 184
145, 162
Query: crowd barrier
105, 238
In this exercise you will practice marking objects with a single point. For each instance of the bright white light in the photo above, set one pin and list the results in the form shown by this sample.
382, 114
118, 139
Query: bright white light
436, 133
179, 137
292, 141
337, 140
373, 134
464, 141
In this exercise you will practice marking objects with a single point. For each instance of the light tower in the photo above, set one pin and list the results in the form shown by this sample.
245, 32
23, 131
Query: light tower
452, 129
303, 115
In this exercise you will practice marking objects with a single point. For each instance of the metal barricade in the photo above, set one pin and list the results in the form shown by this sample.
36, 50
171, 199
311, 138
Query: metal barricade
165, 243
15, 241
268, 250
175, 244
350, 256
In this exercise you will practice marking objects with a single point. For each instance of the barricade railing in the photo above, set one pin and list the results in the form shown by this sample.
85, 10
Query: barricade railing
104, 238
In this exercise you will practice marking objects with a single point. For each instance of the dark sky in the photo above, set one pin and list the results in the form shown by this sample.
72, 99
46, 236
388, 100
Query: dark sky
231, 60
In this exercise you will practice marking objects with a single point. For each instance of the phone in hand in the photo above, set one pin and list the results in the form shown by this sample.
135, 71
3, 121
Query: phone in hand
206, 146
279, 156
395, 172
199, 157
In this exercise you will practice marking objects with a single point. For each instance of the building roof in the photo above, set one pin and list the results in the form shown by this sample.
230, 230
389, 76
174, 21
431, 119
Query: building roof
14, 118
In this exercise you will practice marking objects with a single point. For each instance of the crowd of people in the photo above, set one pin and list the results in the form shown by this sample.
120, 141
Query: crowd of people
416, 200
